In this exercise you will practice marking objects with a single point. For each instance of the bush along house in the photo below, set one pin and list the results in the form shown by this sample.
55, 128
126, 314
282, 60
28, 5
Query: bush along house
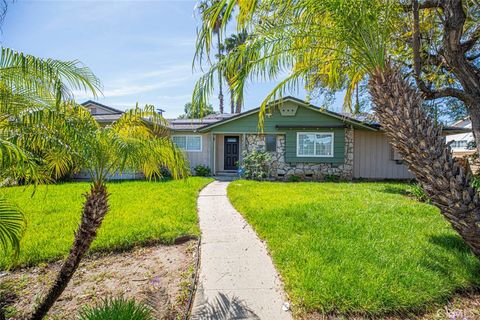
303, 141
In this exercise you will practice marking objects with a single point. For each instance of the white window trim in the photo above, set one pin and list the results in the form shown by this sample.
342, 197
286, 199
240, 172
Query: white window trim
190, 135
314, 146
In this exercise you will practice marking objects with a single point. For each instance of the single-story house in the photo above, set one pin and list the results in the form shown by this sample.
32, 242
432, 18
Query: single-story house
461, 142
303, 140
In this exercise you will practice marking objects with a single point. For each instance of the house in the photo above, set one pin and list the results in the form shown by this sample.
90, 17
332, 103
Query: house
303, 140
461, 142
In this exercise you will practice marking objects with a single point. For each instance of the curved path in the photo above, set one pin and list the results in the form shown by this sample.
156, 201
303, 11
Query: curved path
237, 278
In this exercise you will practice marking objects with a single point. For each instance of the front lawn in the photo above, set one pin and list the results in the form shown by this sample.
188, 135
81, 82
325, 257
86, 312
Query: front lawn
356, 247
140, 212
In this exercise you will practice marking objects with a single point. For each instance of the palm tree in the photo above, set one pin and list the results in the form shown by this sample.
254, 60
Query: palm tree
336, 44
44, 134
232, 43
205, 8
28, 85
138, 141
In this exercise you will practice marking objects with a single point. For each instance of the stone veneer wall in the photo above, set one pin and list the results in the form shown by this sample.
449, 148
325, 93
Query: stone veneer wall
282, 170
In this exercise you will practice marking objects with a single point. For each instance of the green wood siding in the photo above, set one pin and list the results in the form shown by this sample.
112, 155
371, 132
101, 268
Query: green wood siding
303, 116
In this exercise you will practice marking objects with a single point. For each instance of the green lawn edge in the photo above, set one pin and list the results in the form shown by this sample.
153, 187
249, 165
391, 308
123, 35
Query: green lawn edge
304, 227
141, 213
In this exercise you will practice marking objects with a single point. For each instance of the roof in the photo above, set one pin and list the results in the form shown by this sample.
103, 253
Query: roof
108, 117
112, 110
195, 124
343, 117
462, 123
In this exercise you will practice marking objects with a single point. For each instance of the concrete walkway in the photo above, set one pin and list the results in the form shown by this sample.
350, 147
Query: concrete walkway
237, 279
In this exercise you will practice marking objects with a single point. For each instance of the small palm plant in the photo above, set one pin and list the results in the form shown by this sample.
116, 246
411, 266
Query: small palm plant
29, 87
138, 141
117, 309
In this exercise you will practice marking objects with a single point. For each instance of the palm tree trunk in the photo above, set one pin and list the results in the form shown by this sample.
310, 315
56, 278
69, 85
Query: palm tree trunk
94, 210
220, 94
422, 146
239, 104
232, 102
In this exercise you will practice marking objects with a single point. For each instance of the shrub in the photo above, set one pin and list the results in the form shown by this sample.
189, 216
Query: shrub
332, 178
476, 182
202, 171
294, 178
117, 309
417, 192
256, 165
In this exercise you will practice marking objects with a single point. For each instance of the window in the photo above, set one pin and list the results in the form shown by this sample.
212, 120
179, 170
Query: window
459, 144
188, 143
271, 142
93, 110
313, 144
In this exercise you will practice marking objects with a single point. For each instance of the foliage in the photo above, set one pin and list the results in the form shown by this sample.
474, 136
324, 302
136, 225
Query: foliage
231, 44
202, 171
117, 309
332, 44
196, 112
416, 191
476, 182
256, 165
357, 247
53, 214
31, 90
12, 225
332, 178
294, 178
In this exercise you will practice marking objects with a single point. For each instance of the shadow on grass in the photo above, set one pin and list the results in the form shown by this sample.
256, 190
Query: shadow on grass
396, 190
460, 256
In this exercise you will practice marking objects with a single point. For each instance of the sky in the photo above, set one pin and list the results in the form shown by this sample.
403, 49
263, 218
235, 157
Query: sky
142, 51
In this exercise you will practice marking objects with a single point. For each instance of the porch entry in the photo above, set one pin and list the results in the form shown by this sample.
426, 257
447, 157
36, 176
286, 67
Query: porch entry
231, 152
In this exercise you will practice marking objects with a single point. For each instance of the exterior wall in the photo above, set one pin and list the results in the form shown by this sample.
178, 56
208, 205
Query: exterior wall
373, 158
282, 168
201, 157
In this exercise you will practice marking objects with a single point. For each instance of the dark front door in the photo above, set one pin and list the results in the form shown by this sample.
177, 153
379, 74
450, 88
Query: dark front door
230, 153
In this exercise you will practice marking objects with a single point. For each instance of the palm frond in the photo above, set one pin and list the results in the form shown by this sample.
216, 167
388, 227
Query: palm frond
12, 225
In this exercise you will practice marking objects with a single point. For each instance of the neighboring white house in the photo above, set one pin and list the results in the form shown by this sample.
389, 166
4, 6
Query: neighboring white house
459, 142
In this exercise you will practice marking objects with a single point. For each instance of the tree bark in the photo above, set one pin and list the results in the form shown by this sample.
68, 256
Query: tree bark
454, 56
232, 102
220, 94
422, 146
238, 108
94, 210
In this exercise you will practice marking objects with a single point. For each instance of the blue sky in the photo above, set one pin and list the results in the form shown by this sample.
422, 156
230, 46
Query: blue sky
141, 50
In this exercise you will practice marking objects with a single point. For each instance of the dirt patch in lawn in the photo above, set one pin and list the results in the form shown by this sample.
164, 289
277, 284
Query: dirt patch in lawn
159, 275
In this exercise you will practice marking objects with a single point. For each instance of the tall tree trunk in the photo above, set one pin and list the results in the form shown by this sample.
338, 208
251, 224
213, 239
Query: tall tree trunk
232, 102
465, 71
94, 210
220, 94
238, 108
423, 148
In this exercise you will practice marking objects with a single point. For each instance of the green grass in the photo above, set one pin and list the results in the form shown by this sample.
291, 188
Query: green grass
357, 247
140, 212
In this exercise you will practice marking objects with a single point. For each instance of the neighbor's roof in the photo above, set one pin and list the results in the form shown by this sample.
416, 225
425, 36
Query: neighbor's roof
111, 115
195, 124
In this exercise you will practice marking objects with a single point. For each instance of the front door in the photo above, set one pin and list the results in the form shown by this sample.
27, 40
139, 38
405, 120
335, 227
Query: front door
230, 153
